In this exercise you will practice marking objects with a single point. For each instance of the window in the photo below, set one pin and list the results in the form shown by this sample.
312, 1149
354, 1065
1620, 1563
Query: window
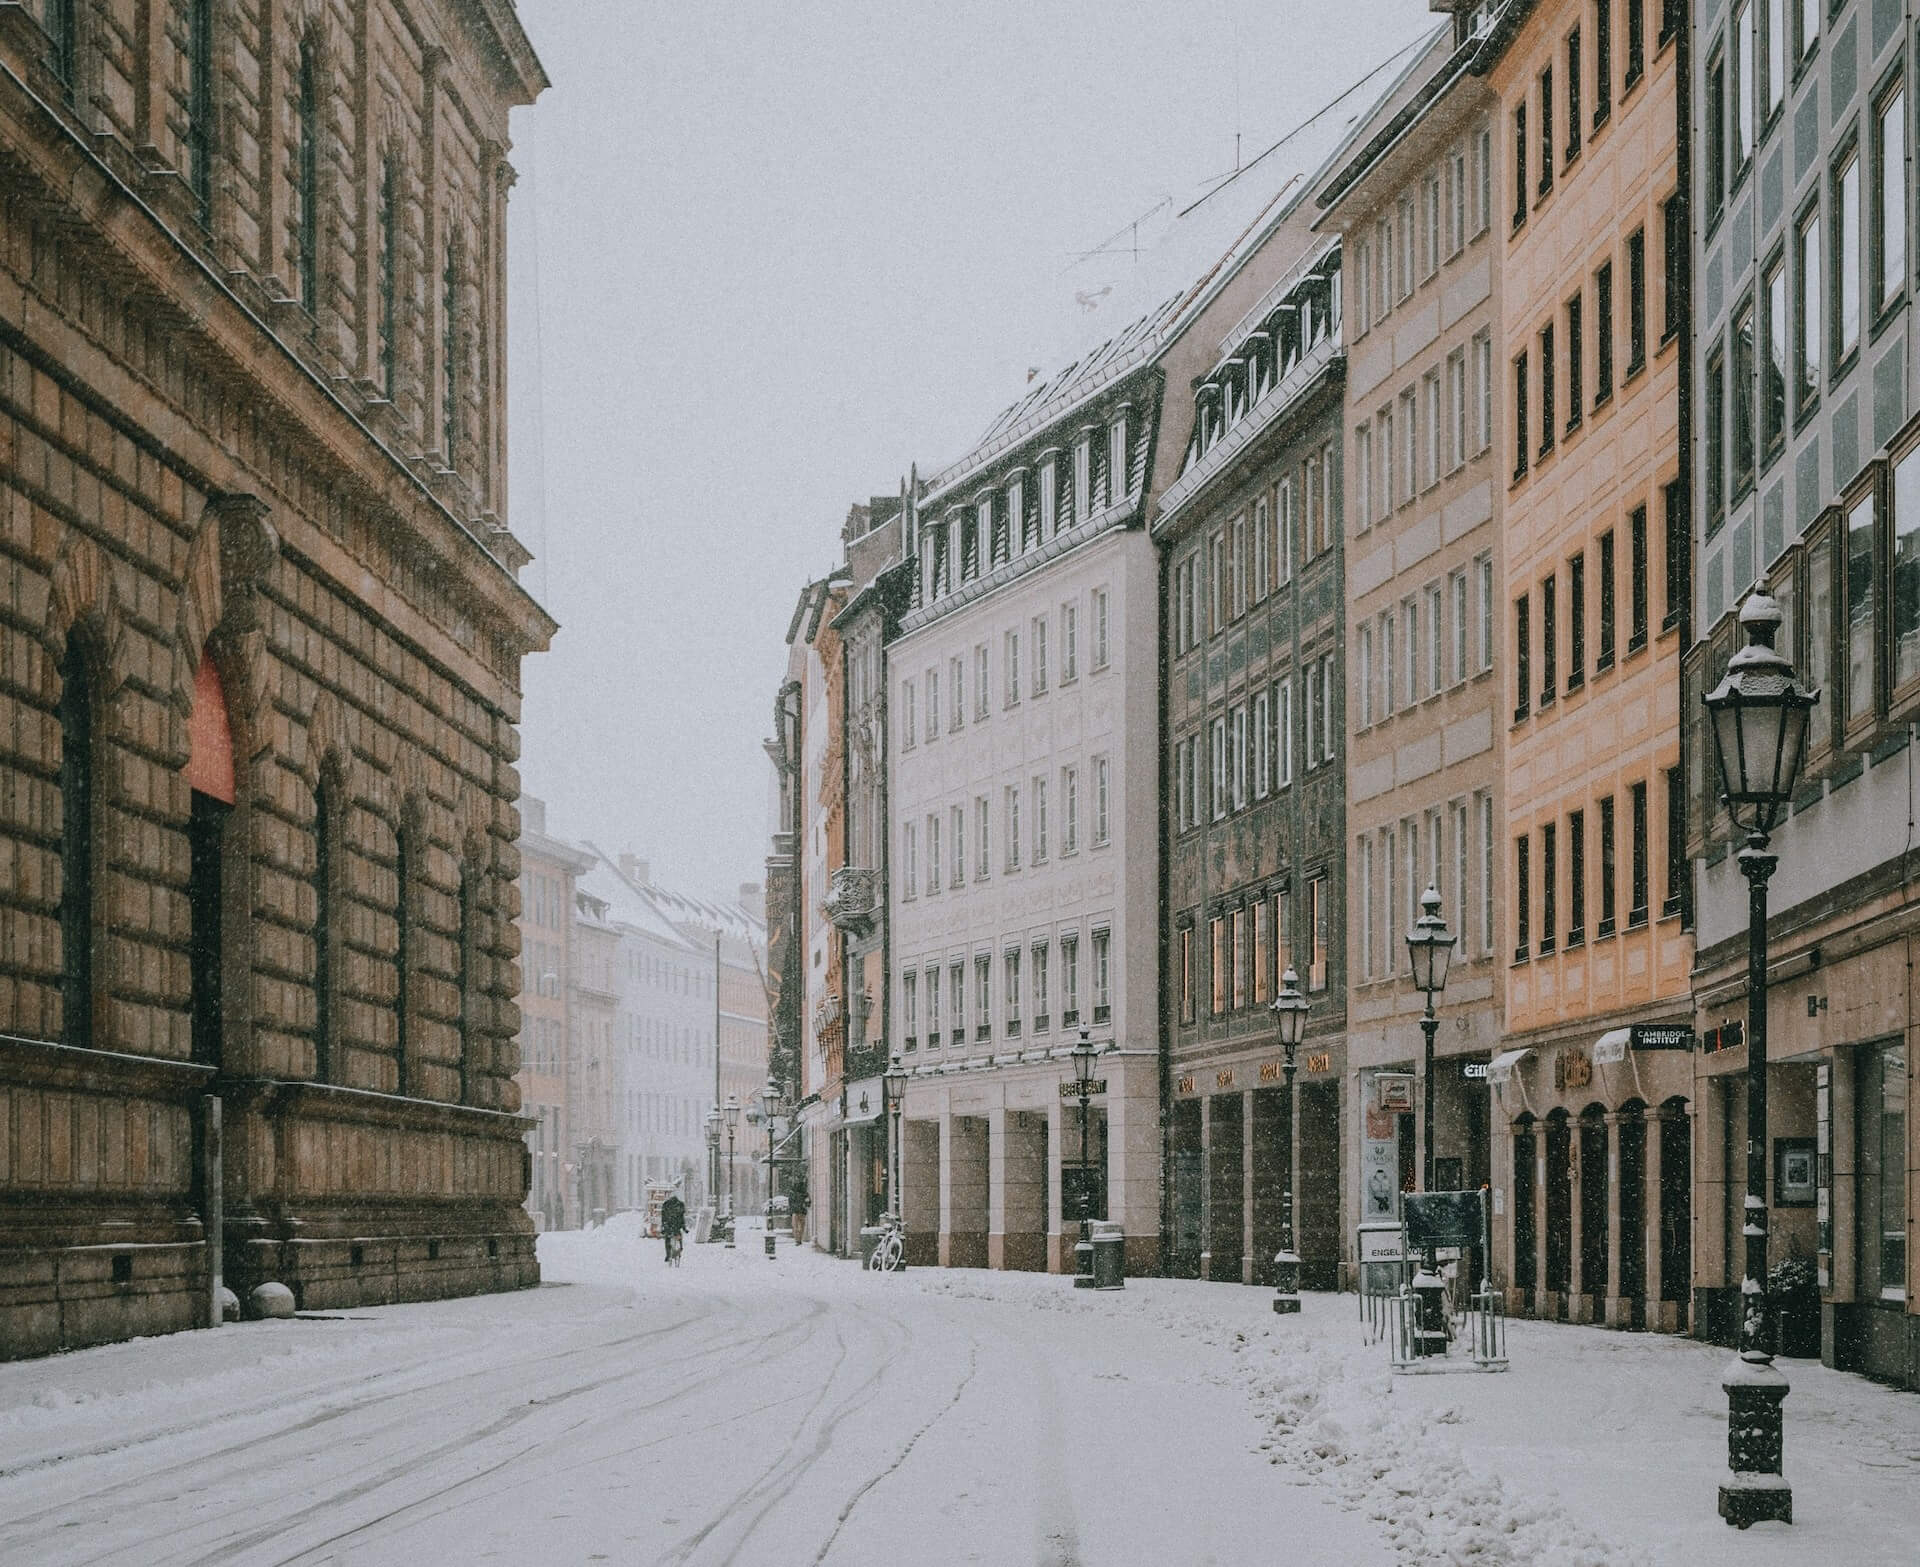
1888, 251
957, 832
1714, 417
1862, 584
1609, 874
1603, 333
1576, 387
1846, 260
1217, 965
1101, 653
1042, 977
1808, 27
1262, 574
1520, 416
1216, 585
1233, 930
1218, 799
1186, 976
1806, 313
1069, 643
981, 861
1603, 660
77, 837
1741, 88
933, 854
1284, 522
450, 358
1456, 198
1545, 182
956, 687
1460, 924
1549, 886
1637, 810
1389, 669
1577, 621
389, 279
1283, 725
1326, 709
980, 682
1012, 805
1363, 476
1675, 902
1574, 127
1773, 360
1744, 369
1522, 658
1576, 878
1039, 820
1522, 900
910, 1007
1365, 655
1010, 988
1407, 240
1436, 641
910, 858
1636, 301
1774, 86
1101, 774
1716, 128
1882, 1138
1674, 256
1260, 938
1457, 586
1636, 44
1547, 378
1430, 427
200, 120
1456, 410
1519, 163
1637, 568
933, 704
1040, 655
982, 996
1317, 919
1069, 810
1069, 980
1602, 61
1011, 658
933, 1006
1483, 390
1549, 639
1486, 872
957, 996
1102, 976
307, 185
1408, 484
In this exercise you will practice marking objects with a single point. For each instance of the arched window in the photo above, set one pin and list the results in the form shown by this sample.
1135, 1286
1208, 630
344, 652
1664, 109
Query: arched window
76, 846
450, 357
326, 805
406, 852
390, 220
307, 175
200, 106
210, 777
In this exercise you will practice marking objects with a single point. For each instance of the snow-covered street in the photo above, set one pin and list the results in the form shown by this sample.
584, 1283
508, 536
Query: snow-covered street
801, 1411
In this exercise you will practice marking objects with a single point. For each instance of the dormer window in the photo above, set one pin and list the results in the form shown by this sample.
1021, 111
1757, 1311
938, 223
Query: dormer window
1083, 476
1049, 494
1119, 470
1019, 535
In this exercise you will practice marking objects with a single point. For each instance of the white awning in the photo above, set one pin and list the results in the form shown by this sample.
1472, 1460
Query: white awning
864, 1098
1610, 1049
1500, 1068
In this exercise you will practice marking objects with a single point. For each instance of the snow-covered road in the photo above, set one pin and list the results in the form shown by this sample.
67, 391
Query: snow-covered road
800, 1411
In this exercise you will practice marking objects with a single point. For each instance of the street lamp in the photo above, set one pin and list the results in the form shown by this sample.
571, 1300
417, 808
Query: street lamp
713, 1166
895, 1084
769, 1112
1429, 950
1290, 1018
733, 1122
1760, 713
1083, 1055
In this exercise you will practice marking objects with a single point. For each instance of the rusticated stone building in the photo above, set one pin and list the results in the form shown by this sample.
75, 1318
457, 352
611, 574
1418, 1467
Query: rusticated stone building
260, 642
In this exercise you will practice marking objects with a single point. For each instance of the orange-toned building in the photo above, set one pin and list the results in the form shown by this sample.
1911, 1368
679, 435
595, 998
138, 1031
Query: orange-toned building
1589, 1097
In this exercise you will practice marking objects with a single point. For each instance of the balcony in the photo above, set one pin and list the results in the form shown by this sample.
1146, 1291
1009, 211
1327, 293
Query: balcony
853, 897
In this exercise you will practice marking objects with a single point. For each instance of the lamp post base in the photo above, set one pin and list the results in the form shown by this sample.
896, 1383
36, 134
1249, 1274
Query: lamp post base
1083, 1262
1286, 1283
769, 1239
1756, 1491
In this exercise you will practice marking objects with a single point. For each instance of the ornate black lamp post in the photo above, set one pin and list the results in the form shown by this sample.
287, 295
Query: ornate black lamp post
769, 1112
1760, 714
732, 1112
713, 1167
1290, 1017
895, 1084
1430, 950
1083, 1056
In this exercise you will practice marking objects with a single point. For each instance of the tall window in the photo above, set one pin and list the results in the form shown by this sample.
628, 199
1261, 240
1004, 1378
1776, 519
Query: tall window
326, 800
1576, 378
450, 369
1603, 658
1102, 976
1522, 899
1675, 902
1545, 183
1716, 128
1318, 916
1574, 127
1519, 415
1577, 620
1775, 89
390, 220
1636, 301
1576, 878
76, 846
1549, 639
62, 25
1846, 259
1548, 375
1603, 333
1637, 571
1519, 163
1773, 359
200, 129
1609, 870
1101, 800
1522, 658
1741, 87
1637, 810
1636, 44
1714, 415
1602, 60
1674, 241
307, 151
1744, 430
1806, 312
1549, 886
1889, 245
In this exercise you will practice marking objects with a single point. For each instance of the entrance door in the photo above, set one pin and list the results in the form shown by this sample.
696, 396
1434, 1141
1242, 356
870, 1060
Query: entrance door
1317, 1203
1633, 1211
1526, 1239
1559, 1205
1594, 1204
1272, 1174
1189, 1189
1676, 1208
1880, 1098
1226, 1163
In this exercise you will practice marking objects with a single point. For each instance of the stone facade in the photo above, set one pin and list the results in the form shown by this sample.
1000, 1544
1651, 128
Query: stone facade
261, 671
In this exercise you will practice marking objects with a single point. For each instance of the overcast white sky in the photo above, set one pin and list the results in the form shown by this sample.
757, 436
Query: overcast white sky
764, 255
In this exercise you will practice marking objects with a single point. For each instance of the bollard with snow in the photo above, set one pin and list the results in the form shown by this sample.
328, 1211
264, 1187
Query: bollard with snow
271, 1300
229, 1305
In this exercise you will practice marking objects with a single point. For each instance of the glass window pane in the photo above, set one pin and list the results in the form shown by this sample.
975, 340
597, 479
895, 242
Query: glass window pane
1860, 607
1819, 673
1906, 568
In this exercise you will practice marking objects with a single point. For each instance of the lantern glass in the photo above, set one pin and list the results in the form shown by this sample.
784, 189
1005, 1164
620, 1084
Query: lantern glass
1430, 946
896, 1078
732, 1112
1083, 1054
1290, 1010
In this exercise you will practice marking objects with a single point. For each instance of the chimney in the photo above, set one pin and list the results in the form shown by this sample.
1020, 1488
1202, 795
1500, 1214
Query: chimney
636, 870
533, 814
753, 900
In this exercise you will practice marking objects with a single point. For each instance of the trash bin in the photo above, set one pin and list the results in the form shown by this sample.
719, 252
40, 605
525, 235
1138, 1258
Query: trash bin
870, 1235
1109, 1256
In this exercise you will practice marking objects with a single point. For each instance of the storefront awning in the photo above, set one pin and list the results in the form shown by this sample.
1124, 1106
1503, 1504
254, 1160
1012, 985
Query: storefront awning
1610, 1049
1500, 1068
865, 1096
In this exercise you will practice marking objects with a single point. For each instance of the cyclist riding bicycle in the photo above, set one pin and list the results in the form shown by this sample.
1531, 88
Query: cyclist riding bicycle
673, 1225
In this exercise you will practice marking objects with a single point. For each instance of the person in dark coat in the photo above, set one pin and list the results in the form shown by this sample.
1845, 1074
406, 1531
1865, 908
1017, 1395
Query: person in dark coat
673, 1223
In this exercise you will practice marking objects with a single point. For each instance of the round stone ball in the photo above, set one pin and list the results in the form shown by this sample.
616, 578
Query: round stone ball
271, 1300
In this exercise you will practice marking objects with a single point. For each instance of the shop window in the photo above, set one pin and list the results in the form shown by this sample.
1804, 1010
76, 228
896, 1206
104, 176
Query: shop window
1881, 1097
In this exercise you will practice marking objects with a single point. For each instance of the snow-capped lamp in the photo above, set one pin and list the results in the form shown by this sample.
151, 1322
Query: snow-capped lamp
1289, 1010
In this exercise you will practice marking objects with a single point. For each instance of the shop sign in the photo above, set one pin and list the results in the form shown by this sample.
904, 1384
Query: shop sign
1382, 1243
864, 1097
1269, 1071
1223, 1078
1320, 1061
1183, 1085
1474, 1069
1728, 1036
1070, 1089
1572, 1068
1662, 1036
1396, 1091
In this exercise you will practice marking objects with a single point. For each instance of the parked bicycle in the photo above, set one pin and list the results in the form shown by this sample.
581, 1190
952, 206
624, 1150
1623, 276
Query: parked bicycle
890, 1251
